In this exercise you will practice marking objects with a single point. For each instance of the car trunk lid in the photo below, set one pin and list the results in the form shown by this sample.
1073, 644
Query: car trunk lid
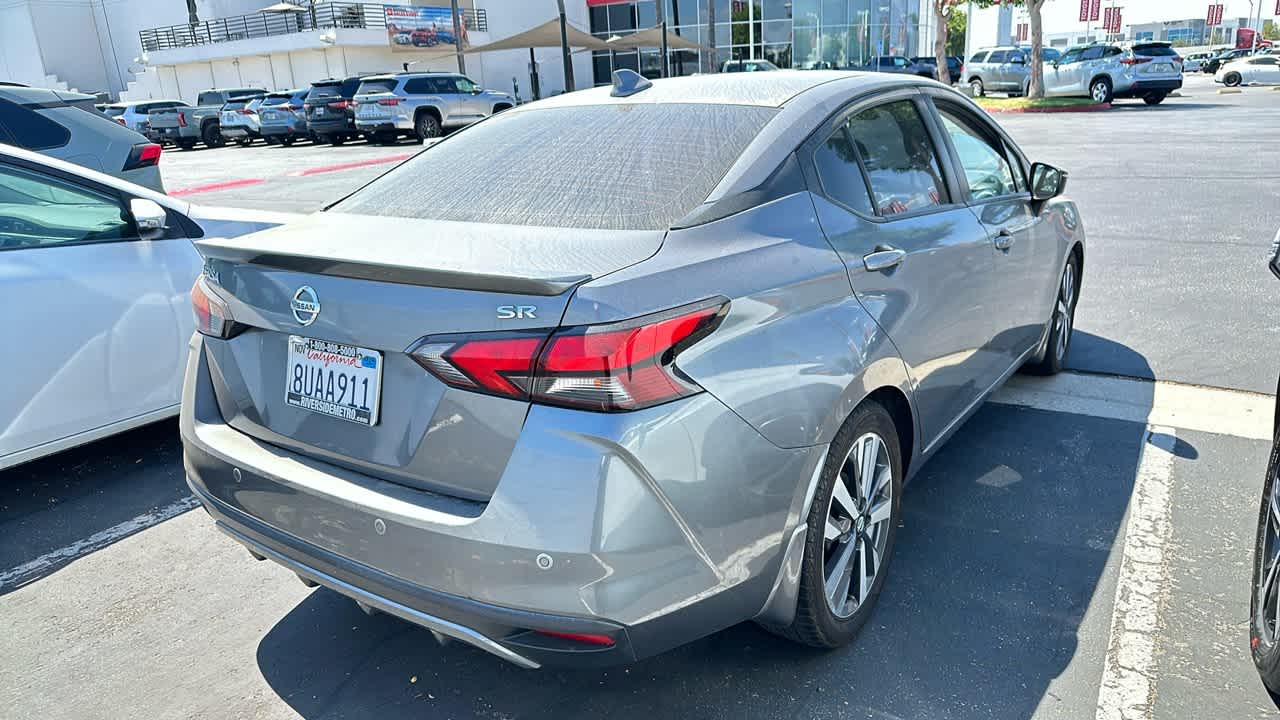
375, 287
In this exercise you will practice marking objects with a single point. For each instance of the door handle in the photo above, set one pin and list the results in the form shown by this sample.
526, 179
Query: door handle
883, 258
1004, 240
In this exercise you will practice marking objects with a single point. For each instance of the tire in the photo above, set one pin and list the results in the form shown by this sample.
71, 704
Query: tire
186, 144
426, 126
1232, 80
1154, 98
817, 623
288, 140
272, 140
1100, 91
212, 136
244, 141
1264, 643
336, 140
976, 88
1061, 323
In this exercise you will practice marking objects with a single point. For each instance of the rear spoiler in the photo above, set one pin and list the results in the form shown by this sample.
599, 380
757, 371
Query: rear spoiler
400, 274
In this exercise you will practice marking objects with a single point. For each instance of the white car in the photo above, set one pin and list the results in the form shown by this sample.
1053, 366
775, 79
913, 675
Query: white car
1256, 70
1195, 62
94, 280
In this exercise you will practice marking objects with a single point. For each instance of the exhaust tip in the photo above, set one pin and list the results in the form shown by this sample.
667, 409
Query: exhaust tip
308, 581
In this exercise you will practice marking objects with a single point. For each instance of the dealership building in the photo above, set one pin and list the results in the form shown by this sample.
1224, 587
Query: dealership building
139, 49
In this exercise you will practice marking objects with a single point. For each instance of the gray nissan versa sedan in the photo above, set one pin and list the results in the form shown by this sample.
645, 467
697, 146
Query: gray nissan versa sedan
615, 370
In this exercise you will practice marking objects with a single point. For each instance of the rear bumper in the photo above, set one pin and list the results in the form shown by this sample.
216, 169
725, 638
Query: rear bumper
329, 127
384, 125
236, 131
291, 130
1142, 87
652, 528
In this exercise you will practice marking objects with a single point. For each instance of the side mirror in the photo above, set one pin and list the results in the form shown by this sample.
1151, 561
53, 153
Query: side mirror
1047, 181
149, 218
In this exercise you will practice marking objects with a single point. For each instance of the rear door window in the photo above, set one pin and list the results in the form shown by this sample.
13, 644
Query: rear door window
1092, 53
419, 86
900, 160
979, 57
31, 130
998, 56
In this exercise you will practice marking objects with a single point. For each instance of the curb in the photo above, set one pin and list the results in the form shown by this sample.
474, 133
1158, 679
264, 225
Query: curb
1229, 91
1050, 110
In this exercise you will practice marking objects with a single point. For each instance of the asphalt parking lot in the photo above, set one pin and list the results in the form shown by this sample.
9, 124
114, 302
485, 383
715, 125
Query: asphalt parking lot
1081, 549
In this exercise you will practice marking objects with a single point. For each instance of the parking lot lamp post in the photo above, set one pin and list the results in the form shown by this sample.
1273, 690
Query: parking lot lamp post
569, 85
457, 37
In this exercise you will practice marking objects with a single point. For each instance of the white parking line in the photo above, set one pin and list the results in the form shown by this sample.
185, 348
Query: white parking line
16, 576
1186, 407
1128, 674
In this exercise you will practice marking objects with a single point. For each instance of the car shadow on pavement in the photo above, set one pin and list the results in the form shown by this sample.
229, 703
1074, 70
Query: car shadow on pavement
59, 501
1004, 538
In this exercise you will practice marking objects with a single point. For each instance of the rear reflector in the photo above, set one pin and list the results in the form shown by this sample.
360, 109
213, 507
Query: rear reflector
143, 155
586, 638
213, 317
605, 368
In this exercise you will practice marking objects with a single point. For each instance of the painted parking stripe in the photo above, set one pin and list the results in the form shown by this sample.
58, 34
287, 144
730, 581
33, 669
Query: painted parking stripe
213, 187
350, 165
1128, 684
17, 576
1178, 405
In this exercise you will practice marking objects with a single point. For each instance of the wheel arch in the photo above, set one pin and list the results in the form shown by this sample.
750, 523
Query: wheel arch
499, 107
1102, 76
432, 109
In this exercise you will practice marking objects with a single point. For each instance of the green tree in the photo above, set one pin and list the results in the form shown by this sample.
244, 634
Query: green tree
1270, 30
1036, 89
957, 28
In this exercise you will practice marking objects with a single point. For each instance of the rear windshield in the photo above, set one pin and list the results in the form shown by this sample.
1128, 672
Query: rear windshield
233, 105
277, 100
613, 167
320, 92
368, 87
114, 111
1154, 50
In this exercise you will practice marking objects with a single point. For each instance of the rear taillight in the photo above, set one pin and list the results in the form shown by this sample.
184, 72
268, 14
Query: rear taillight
245, 111
143, 155
1135, 60
342, 104
213, 317
606, 368
306, 107
389, 101
585, 638
1177, 58
120, 120
182, 120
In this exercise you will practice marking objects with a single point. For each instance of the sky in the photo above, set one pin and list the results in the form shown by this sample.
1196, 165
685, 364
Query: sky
1064, 15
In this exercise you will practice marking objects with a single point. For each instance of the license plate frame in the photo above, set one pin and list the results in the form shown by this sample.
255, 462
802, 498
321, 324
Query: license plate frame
320, 375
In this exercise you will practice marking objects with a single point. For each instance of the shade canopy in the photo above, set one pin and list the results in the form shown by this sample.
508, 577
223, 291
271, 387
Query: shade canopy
544, 35
282, 7
652, 38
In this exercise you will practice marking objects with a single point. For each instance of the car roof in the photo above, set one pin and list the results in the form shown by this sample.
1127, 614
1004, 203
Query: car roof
23, 94
772, 89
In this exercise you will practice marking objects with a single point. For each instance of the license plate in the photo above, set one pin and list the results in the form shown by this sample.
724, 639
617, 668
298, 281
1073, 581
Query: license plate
318, 112
341, 381
1161, 68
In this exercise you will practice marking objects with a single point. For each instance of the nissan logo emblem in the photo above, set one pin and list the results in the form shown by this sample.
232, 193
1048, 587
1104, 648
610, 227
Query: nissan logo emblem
305, 305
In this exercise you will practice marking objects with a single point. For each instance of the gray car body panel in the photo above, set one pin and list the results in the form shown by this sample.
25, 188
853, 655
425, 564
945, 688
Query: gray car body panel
669, 522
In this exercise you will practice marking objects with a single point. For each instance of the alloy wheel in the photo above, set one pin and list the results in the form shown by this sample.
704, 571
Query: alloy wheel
1267, 590
857, 528
1064, 315
1099, 92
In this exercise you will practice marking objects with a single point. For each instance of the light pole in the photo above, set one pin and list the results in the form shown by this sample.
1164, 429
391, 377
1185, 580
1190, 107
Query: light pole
569, 85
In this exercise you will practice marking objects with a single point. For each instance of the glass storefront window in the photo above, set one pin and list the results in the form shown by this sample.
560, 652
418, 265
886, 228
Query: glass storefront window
622, 17
776, 31
646, 14
774, 9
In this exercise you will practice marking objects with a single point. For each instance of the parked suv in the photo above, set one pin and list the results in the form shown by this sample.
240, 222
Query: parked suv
1149, 70
239, 120
331, 109
137, 115
1002, 69
281, 118
955, 66
185, 126
422, 105
67, 126
899, 64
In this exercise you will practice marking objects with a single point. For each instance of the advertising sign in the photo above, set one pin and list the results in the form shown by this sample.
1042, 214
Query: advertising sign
1084, 9
1215, 15
1106, 19
1095, 10
416, 28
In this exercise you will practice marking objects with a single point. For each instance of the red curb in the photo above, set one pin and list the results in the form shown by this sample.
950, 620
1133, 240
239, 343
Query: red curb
1048, 110
212, 187
350, 165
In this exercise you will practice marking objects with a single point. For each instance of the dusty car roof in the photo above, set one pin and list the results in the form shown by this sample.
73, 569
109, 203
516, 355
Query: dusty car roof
765, 89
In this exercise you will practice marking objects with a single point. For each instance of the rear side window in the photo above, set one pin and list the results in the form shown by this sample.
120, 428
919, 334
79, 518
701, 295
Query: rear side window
31, 130
369, 87
114, 111
840, 171
1112, 52
899, 158
210, 98
1154, 50
593, 166
980, 57
233, 105
420, 86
